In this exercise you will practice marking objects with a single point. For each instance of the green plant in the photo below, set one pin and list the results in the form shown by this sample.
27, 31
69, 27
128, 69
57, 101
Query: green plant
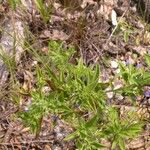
118, 129
45, 10
147, 58
77, 96
124, 29
13, 3
134, 79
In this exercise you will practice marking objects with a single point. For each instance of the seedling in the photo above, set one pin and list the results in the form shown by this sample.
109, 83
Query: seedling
78, 97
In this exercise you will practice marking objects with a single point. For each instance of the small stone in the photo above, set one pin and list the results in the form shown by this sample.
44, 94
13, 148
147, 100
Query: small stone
109, 94
117, 71
34, 63
57, 148
114, 64
46, 89
119, 96
26, 109
117, 85
60, 136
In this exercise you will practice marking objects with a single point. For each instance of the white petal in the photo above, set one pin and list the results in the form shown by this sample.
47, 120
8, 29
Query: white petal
114, 18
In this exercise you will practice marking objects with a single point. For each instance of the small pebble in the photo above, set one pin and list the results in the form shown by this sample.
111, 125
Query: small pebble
117, 85
117, 71
60, 136
114, 64
109, 94
34, 63
57, 148
119, 96
26, 109
46, 89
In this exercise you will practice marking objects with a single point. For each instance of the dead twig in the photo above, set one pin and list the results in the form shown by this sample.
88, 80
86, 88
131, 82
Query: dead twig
26, 142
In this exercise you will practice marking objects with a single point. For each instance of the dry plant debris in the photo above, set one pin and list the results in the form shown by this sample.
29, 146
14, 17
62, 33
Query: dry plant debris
88, 26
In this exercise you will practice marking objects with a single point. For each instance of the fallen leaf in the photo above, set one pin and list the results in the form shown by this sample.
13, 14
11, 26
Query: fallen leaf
47, 147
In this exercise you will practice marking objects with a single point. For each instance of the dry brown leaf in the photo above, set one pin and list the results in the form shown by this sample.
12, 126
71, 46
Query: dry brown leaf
45, 50
55, 35
59, 35
28, 79
25, 130
47, 147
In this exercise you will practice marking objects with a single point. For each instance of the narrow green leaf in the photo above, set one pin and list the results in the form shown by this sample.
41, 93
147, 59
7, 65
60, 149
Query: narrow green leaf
132, 130
91, 122
97, 145
114, 144
97, 73
147, 57
121, 144
93, 83
71, 136
126, 36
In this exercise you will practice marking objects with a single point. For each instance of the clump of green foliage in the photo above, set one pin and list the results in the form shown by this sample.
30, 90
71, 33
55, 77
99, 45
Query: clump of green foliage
13, 3
44, 10
79, 97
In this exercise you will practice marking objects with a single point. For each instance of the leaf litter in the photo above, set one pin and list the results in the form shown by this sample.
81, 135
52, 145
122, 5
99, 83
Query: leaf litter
89, 30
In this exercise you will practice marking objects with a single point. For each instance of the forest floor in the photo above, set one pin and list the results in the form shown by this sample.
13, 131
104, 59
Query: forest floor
103, 34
